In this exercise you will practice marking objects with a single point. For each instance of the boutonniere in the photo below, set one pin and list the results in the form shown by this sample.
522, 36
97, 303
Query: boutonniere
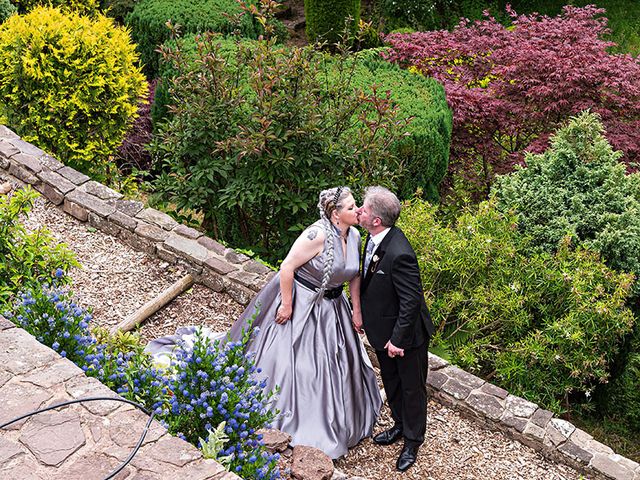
373, 266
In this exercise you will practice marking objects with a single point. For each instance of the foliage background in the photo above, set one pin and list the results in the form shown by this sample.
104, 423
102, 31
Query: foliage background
256, 131
545, 327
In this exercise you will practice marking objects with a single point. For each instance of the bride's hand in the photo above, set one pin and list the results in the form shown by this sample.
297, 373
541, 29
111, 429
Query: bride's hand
283, 314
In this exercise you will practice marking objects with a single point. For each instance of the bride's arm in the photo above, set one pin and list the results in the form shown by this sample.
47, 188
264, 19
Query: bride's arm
309, 244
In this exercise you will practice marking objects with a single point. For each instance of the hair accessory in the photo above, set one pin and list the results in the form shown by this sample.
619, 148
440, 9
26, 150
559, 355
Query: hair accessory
336, 197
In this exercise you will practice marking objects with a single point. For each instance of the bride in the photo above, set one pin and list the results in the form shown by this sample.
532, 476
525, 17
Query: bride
308, 344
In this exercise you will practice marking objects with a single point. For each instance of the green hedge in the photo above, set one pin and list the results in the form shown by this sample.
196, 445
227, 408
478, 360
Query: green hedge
424, 152
148, 21
325, 19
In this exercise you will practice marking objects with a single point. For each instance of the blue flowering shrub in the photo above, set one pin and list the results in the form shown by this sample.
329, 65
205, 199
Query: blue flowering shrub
201, 390
50, 315
216, 382
131, 373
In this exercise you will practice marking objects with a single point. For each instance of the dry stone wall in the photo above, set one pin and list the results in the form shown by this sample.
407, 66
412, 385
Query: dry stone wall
223, 269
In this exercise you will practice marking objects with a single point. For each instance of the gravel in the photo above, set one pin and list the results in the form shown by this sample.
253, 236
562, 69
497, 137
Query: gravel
116, 280
455, 448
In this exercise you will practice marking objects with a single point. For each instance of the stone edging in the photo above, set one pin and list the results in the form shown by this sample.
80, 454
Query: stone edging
220, 268
85, 441
526, 422
223, 269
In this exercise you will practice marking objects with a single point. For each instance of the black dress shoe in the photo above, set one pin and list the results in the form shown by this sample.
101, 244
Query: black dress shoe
388, 436
407, 458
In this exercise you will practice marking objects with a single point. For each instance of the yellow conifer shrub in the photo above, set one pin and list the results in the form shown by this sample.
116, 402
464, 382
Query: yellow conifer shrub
69, 84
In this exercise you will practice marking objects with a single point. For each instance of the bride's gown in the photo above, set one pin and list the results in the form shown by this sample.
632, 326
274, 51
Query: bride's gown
329, 397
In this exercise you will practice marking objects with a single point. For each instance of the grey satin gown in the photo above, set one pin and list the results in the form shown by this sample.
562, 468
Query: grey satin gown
329, 397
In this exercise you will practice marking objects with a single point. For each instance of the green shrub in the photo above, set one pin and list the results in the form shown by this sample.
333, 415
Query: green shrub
578, 188
424, 152
368, 36
542, 326
69, 84
257, 131
621, 398
326, 19
6, 10
80, 6
118, 9
168, 69
148, 23
27, 257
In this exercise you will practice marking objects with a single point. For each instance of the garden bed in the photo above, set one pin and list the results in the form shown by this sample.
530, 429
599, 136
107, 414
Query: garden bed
116, 280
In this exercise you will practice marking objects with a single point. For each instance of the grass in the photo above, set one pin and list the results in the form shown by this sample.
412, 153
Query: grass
612, 433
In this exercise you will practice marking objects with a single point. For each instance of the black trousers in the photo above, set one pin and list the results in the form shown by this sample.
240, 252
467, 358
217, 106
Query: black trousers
405, 382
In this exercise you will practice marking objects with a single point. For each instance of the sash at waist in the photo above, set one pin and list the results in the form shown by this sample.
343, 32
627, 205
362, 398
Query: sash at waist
329, 293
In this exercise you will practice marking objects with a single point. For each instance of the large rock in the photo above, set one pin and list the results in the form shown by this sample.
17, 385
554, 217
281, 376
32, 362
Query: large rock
310, 463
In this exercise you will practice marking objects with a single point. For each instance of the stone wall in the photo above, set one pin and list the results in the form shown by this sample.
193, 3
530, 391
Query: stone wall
82, 441
223, 269
526, 422
146, 229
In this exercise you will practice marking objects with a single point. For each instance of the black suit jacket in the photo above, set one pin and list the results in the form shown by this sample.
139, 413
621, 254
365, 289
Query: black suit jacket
391, 296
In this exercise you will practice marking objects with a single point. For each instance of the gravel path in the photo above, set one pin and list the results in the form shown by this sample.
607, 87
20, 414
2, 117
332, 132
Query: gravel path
116, 280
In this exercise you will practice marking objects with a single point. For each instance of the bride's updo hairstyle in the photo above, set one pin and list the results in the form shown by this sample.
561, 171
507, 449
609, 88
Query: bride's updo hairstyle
329, 201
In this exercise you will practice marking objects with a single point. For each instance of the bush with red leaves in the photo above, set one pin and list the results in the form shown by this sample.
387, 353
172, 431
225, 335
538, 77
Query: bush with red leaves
511, 87
132, 153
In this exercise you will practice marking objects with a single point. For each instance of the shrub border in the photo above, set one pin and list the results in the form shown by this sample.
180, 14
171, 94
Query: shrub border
225, 270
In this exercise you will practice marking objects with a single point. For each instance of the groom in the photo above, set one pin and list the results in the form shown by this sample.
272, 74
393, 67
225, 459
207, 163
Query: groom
396, 321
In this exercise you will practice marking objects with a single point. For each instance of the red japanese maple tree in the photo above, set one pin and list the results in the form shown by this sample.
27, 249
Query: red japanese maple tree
511, 87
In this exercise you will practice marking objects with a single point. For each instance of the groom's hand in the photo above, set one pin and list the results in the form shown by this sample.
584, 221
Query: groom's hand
394, 351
